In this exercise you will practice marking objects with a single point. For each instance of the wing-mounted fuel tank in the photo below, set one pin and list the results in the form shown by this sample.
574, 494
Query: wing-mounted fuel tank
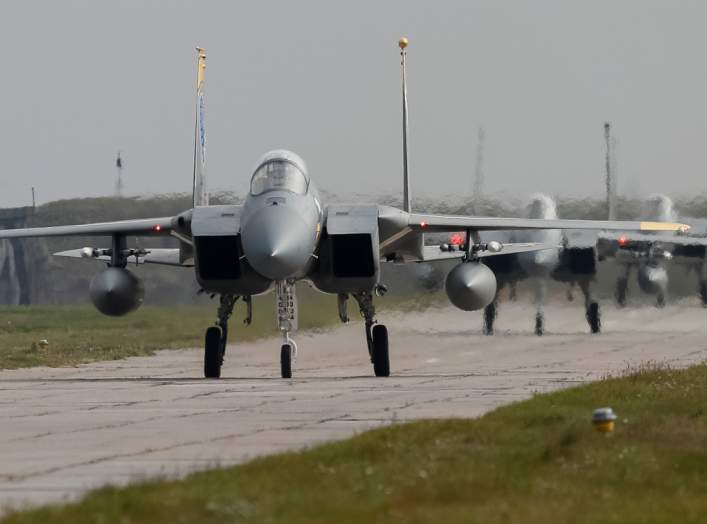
218, 253
471, 286
116, 291
652, 279
348, 258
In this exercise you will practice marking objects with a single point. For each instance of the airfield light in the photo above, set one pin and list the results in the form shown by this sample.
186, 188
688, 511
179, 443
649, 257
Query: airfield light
603, 420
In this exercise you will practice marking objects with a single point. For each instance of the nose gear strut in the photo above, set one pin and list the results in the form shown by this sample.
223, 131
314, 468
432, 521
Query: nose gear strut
287, 321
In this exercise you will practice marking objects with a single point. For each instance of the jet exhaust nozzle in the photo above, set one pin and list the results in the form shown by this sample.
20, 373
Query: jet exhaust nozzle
471, 286
116, 291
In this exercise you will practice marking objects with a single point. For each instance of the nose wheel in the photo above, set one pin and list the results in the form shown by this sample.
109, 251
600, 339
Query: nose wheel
286, 357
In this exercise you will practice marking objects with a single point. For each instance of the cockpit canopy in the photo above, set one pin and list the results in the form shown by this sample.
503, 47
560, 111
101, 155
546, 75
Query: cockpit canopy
280, 170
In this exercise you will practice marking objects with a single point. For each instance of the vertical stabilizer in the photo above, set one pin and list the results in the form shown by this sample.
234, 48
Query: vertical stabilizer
403, 43
201, 197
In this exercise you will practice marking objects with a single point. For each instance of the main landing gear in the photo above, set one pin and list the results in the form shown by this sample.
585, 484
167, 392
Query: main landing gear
216, 336
376, 334
591, 308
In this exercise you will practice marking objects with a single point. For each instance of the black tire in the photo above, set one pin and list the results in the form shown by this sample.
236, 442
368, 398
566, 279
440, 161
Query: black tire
593, 318
286, 361
660, 300
489, 317
381, 361
213, 355
539, 324
621, 291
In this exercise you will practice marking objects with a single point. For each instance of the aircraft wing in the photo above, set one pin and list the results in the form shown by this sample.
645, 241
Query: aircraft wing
139, 227
676, 240
424, 222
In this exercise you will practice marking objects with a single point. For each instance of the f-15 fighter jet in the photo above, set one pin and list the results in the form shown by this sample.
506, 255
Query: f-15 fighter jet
283, 234
648, 254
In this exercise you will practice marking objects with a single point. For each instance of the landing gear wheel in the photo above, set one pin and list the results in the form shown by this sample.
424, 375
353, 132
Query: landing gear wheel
660, 300
213, 353
379, 353
621, 289
489, 317
539, 324
286, 361
593, 317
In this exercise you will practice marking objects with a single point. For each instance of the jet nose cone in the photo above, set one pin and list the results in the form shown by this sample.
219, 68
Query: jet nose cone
276, 242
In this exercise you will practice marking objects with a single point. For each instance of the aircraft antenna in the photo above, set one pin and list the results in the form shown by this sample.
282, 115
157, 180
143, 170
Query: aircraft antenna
610, 174
119, 180
403, 43
479, 173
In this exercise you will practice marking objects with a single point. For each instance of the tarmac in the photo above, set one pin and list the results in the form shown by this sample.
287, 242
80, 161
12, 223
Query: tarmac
64, 431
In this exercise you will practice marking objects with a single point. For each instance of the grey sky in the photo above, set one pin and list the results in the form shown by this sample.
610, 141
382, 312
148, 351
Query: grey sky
84, 79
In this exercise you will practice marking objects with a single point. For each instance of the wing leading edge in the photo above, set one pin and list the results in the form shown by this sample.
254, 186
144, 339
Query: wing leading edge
442, 223
139, 227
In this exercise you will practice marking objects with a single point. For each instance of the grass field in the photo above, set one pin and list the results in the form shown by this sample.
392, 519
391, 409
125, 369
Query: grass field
79, 334
536, 461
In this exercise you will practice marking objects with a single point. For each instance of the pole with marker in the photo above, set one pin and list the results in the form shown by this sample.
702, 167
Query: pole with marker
402, 44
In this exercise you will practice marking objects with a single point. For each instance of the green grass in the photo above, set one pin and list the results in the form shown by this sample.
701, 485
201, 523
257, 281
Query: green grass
80, 334
536, 461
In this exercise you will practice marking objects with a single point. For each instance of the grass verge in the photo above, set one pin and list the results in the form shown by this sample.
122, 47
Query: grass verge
536, 461
80, 334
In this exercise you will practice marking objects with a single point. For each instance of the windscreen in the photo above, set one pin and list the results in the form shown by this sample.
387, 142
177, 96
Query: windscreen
278, 174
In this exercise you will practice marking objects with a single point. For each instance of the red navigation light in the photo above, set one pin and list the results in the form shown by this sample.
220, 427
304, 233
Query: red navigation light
623, 241
423, 224
158, 228
456, 239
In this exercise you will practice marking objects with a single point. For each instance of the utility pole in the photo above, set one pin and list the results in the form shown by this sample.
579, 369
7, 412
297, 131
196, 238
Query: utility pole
610, 174
478, 193
119, 180
34, 199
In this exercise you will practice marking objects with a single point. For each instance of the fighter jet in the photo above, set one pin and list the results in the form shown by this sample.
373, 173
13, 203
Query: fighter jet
648, 254
566, 260
284, 234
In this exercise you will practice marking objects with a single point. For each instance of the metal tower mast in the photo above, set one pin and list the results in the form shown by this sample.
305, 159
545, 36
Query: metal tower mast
119, 180
610, 173
478, 193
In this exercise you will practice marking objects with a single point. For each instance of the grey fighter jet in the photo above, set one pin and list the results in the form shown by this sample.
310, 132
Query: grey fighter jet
283, 234
567, 261
648, 254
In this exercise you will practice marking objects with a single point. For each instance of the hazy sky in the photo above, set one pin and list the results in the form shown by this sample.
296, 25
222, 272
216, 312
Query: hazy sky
83, 79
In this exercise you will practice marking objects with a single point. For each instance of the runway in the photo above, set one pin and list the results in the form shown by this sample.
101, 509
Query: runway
64, 431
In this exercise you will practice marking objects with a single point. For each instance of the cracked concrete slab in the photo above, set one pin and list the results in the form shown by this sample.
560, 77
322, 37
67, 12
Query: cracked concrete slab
64, 431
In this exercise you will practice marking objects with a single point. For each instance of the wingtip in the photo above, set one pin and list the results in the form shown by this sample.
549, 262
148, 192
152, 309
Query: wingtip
665, 226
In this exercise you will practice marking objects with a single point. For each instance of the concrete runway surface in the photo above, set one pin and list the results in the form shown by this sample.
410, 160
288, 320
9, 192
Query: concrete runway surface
64, 431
